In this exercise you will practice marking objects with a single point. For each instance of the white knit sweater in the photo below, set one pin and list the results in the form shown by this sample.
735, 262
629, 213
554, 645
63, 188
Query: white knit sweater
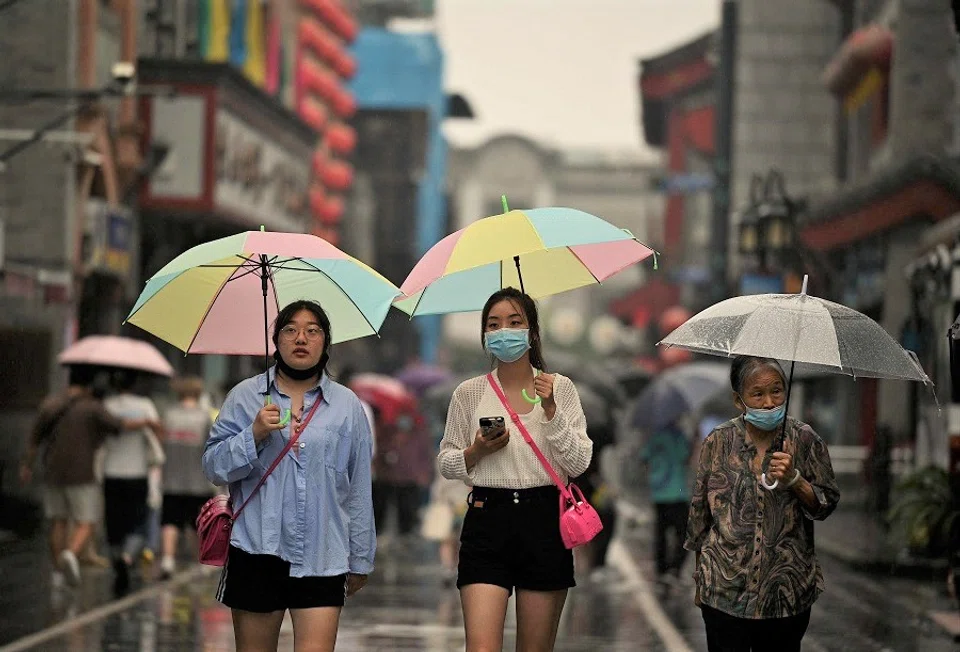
563, 440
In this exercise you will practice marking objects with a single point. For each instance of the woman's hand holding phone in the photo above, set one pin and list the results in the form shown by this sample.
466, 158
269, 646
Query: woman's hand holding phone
490, 441
485, 442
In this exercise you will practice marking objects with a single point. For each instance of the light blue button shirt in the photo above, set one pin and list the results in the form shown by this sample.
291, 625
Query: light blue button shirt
315, 510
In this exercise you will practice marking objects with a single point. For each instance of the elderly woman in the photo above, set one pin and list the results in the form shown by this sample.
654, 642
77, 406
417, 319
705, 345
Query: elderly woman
757, 575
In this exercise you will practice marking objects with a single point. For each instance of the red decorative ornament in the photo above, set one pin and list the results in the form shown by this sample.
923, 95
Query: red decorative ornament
340, 138
317, 199
314, 113
337, 175
332, 210
343, 103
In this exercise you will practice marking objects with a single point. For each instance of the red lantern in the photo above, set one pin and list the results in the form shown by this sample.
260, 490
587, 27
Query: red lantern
345, 64
319, 162
340, 138
317, 79
313, 113
335, 15
343, 103
337, 175
332, 210
317, 199
316, 37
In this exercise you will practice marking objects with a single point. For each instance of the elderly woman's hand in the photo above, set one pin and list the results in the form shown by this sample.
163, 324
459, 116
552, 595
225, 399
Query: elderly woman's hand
781, 464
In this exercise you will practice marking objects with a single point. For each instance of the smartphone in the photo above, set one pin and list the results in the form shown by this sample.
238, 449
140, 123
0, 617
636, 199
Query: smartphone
492, 427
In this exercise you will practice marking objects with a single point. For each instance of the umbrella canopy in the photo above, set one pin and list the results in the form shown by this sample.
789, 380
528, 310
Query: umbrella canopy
209, 299
115, 351
543, 251
678, 391
387, 394
820, 334
421, 377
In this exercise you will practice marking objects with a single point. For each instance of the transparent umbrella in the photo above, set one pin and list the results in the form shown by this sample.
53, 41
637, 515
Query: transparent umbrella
816, 333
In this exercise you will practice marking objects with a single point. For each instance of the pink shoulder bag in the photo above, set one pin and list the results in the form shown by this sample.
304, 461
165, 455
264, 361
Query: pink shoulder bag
579, 521
216, 519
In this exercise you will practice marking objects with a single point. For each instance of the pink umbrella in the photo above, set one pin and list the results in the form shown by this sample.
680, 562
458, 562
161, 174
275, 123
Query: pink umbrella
115, 351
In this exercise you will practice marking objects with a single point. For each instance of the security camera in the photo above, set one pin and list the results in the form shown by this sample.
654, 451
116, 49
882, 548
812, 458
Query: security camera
124, 74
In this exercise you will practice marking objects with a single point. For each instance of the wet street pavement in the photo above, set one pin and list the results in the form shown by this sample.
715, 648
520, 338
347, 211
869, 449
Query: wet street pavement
407, 607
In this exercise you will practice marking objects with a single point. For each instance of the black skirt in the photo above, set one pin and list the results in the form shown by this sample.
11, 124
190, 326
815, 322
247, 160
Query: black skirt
262, 583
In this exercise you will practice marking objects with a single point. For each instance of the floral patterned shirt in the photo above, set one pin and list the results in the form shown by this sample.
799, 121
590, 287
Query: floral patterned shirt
757, 557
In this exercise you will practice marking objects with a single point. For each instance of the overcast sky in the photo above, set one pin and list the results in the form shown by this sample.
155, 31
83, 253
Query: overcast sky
563, 71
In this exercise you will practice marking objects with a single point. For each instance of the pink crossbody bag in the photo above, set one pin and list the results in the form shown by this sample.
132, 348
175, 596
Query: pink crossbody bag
216, 519
579, 521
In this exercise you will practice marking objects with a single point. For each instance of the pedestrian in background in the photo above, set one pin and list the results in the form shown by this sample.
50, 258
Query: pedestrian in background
757, 573
186, 426
666, 454
70, 429
126, 467
306, 539
511, 532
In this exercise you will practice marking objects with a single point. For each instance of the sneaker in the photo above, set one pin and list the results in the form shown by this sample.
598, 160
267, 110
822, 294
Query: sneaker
91, 558
167, 568
70, 567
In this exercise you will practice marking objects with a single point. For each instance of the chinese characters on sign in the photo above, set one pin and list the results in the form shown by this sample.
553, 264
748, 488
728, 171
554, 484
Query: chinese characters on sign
257, 179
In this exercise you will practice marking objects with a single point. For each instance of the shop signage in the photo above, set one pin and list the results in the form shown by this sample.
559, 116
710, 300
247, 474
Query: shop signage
256, 179
108, 238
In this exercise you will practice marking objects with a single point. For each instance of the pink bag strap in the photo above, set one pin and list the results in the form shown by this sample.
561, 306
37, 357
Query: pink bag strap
293, 440
527, 438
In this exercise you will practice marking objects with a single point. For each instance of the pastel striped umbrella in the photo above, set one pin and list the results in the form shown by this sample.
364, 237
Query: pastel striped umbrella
542, 251
220, 296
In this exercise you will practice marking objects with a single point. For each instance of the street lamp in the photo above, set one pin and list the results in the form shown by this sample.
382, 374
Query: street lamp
776, 214
767, 226
750, 223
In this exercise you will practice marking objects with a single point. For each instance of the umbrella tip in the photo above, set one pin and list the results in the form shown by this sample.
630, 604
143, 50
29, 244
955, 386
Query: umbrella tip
503, 200
803, 290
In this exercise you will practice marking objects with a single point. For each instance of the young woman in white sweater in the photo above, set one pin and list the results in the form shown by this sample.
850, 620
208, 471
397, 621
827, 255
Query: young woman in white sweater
511, 532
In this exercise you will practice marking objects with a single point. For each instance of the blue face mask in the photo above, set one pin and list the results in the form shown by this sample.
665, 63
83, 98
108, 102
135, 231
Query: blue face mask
765, 420
507, 344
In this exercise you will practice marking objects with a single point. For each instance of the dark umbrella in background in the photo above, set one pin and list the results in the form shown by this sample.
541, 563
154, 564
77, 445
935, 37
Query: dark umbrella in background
677, 392
420, 377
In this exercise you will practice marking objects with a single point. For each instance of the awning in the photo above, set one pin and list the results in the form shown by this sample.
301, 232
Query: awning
926, 186
861, 66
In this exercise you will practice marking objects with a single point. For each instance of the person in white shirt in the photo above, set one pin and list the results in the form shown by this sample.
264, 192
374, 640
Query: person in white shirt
511, 533
126, 465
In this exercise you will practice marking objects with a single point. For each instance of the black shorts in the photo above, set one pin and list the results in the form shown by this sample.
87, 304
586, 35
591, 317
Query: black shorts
181, 510
262, 583
511, 538
124, 508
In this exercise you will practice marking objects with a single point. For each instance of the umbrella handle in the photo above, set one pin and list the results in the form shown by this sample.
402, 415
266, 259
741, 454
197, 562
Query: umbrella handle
769, 487
526, 397
286, 417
